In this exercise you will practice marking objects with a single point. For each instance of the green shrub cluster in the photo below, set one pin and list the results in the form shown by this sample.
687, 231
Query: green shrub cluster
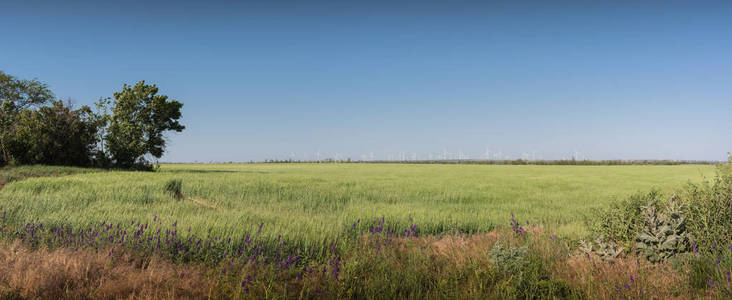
175, 188
709, 210
35, 128
624, 219
698, 217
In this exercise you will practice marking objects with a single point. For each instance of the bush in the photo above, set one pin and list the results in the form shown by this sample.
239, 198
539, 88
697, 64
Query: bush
623, 220
54, 135
175, 188
709, 210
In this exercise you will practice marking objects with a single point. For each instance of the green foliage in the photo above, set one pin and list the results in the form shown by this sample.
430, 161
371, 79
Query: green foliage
701, 269
54, 135
17, 95
511, 260
175, 187
523, 275
664, 234
139, 118
707, 272
704, 211
709, 209
123, 132
623, 219
605, 250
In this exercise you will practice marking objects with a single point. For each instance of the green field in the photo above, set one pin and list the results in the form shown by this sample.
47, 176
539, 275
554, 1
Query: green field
314, 203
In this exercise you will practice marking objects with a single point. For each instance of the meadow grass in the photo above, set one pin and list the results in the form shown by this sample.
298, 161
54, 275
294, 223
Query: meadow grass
335, 231
9, 174
312, 204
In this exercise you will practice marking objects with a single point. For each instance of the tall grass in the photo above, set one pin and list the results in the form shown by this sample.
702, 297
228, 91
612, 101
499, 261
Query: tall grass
366, 247
314, 204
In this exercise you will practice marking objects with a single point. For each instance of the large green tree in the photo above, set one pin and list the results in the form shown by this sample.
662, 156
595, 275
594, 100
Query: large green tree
139, 118
17, 95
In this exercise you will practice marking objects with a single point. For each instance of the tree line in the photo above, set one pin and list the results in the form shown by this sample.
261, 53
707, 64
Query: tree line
124, 131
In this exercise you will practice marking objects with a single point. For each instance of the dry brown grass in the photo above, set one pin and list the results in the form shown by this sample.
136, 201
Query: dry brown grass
460, 250
204, 203
596, 278
87, 274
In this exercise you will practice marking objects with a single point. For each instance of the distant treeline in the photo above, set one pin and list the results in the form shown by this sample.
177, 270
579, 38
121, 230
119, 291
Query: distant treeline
561, 162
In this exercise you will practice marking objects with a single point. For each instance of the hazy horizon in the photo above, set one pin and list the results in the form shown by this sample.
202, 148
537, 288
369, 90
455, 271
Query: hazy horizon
381, 80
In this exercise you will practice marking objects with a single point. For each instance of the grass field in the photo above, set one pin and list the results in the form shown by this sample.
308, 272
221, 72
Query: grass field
362, 231
314, 203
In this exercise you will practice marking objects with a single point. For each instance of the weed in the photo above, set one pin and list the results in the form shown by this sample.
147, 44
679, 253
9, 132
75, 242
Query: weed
174, 187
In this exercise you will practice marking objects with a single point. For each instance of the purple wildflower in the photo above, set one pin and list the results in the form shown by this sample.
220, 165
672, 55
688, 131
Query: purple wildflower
632, 280
693, 246
728, 277
260, 227
717, 261
627, 286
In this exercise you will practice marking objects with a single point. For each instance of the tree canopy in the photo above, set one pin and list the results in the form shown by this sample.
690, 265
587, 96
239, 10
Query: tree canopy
139, 118
36, 128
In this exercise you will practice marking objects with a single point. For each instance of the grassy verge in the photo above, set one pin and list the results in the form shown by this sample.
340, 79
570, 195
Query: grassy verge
376, 263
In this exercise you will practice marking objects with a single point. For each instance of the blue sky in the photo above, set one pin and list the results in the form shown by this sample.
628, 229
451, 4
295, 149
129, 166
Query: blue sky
291, 79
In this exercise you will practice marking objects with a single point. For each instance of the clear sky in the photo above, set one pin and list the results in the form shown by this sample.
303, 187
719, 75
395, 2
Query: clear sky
290, 79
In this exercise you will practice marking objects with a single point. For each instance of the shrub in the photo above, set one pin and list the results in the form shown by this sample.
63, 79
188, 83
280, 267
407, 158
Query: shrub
623, 220
175, 187
709, 210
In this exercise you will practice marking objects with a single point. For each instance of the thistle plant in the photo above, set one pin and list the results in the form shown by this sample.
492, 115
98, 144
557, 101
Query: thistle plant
608, 251
664, 234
